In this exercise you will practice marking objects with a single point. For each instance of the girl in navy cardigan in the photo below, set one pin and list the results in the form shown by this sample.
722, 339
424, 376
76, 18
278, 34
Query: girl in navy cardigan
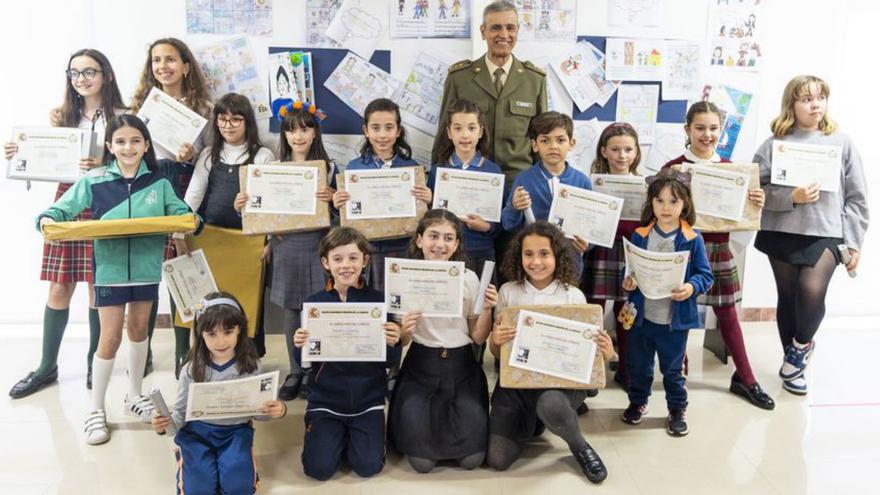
661, 325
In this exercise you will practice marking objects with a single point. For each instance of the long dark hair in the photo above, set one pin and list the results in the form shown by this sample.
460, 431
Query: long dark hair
235, 104
699, 107
195, 88
401, 147
445, 146
128, 120
111, 98
433, 217
301, 119
566, 263
226, 317
679, 189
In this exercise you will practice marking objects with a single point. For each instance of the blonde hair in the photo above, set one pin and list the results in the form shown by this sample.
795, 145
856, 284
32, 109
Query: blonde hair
795, 89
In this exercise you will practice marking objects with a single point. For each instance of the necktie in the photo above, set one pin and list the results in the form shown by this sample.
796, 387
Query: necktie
497, 81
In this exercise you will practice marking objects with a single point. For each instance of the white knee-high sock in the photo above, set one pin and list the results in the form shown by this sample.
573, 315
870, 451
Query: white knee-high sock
101, 371
137, 359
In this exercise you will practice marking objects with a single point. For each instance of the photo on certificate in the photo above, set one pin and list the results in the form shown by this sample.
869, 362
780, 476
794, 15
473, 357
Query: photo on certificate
656, 273
554, 346
189, 279
632, 189
465, 192
590, 215
228, 399
799, 165
436, 288
344, 332
50, 154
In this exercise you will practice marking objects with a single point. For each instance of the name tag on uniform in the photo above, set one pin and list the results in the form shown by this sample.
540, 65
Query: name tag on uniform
524, 104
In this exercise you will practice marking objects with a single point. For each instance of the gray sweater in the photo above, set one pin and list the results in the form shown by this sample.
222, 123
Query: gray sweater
841, 214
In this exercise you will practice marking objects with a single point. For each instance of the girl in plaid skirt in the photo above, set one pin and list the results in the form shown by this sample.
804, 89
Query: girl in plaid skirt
91, 98
703, 128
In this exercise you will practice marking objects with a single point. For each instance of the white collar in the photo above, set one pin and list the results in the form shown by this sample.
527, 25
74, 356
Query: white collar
550, 289
691, 157
492, 67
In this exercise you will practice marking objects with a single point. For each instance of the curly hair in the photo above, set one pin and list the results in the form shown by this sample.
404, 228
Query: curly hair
566, 259
433, 217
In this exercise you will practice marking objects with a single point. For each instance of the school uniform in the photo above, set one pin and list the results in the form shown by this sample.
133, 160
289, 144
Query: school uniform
514, 411
479, 246
390, 248
345, 414
440, 406
216, 455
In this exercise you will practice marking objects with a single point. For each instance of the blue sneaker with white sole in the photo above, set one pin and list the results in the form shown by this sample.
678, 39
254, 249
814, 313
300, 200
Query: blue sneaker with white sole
797, 386
796, 361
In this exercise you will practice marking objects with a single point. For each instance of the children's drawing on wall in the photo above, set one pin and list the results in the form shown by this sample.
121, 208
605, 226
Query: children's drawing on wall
635, 13
735, 104
547, 20
419, 98
586, 135
734, 34
357, 83
681, 74
581, 71
430, 19
634, 59
319, 14
637, 105
358, 26
231, 66
668, 143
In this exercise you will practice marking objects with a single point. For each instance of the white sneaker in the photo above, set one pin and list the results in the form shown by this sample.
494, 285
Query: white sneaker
797, 386
140, 407
96, 431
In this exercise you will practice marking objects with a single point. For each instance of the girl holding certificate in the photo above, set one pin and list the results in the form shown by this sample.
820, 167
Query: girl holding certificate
295, 273
617, 153
661, 325
541, 267
345, 414
806, 232
216, 456
91, 98
440, 406
703, 124
127, 269
214, 185
171, 67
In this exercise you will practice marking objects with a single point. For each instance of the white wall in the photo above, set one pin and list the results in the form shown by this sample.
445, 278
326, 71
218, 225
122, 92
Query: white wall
829, 39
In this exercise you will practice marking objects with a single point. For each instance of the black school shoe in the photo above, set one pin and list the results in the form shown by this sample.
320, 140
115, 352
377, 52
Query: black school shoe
582, 409
290, 389
591, 464
676, 423
32, 384
754, 394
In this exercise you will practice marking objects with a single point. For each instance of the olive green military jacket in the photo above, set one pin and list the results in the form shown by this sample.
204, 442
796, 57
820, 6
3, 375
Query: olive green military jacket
523, 96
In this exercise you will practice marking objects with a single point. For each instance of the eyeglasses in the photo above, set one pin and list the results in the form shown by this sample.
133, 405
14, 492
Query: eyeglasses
88, 74
233, 122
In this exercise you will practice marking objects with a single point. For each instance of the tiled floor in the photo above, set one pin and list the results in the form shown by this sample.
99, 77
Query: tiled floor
828, 442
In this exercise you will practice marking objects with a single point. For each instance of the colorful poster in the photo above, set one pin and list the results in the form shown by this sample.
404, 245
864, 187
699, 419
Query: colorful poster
419, 98
681, 70
734, 34
581, 71
634, 59
357, 83
735, 104
430, 18
358, 26
635, 13
547, 20
230, 67
319, 13
252, 17
637, 105
301, 62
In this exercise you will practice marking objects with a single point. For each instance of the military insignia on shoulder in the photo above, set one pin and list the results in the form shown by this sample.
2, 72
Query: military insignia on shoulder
464, 64
534, 67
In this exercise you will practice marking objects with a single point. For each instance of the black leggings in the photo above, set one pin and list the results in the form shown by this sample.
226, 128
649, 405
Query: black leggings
801, 290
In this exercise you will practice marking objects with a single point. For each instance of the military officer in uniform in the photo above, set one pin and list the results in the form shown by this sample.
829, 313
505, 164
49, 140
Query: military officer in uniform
509, 91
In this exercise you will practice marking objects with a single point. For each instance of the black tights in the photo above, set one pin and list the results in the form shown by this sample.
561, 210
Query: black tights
801, 290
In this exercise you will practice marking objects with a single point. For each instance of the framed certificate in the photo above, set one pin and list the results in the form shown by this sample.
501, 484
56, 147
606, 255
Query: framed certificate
436, 288
231, 398
344, 332
282, 197
632, 189
384, 228
554, 346
466, 192
798, 165
751, 214
656, 273
189, 279
718, 192
518, 377
170, 122
50, 153
592, 216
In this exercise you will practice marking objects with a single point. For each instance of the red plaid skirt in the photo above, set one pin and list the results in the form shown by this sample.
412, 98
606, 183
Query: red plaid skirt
67, 262
603, 270
726, 291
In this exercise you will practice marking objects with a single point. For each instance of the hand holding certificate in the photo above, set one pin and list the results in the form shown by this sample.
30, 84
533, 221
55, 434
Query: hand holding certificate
798, 165
658, 274
50, 154
590, 215
632, 189
239, 398
554, 346
189, 279
436, 288
466, 192
344, 332
171, 123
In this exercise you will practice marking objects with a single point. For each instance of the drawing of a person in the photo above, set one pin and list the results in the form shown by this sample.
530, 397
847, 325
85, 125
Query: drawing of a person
400, 5
750, 25
456, 6
628, 52
442, 9
743, 51
417, 10
754, 55
282, 83
717, 57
